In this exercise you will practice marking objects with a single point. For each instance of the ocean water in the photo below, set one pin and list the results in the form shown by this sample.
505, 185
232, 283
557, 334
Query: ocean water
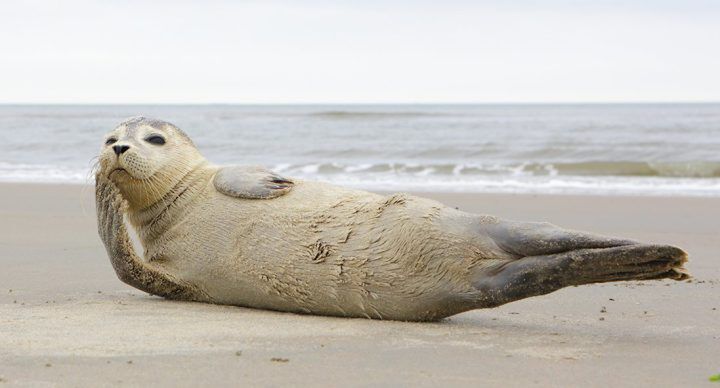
638, 149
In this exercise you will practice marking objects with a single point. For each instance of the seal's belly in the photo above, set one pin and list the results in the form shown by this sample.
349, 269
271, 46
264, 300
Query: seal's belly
348, 254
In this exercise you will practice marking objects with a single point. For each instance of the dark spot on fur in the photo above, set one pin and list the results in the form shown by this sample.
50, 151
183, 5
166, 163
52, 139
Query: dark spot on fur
396, 199
319, 252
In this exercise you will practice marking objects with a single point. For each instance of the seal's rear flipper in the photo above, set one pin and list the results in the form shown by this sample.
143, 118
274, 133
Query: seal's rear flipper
542, 238
539, 275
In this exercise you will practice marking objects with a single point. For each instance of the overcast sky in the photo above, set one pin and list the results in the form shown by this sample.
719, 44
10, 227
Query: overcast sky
358, 51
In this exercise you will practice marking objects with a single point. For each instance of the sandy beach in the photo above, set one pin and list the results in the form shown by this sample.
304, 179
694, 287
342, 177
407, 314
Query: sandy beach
65, 319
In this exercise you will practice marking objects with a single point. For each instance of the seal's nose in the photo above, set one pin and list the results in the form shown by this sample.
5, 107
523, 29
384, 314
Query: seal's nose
119, 149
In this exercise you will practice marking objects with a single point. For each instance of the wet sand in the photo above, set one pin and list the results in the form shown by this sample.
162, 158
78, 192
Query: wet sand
65, 319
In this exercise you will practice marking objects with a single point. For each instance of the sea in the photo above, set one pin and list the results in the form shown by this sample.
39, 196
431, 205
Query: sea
603, 149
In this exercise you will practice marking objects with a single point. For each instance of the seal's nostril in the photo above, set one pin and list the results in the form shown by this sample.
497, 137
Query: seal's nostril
119, 149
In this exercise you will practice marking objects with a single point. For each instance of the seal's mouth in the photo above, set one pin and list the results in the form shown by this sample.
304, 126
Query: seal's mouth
118, 170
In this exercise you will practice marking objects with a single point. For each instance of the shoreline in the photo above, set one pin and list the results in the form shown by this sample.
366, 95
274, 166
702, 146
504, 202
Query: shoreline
435, 190
61, 305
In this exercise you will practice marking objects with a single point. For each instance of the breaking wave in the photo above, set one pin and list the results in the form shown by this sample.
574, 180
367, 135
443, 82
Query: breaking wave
620, 169
700, 179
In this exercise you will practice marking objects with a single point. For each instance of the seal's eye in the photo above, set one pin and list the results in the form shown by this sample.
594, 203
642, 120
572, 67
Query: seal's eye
110, 141
155, 139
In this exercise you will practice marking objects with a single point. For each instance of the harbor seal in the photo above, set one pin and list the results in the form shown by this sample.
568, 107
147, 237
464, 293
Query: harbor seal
246, 236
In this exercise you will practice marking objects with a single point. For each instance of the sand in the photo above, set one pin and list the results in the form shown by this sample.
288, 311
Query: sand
65, 319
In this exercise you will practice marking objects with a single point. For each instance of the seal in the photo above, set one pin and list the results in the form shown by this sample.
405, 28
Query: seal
246, 236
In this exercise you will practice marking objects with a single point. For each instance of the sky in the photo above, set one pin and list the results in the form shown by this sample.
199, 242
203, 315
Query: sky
393, 51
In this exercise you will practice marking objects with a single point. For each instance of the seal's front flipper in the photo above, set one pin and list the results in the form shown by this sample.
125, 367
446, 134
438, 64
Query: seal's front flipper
538, 275
251, 182
130, 268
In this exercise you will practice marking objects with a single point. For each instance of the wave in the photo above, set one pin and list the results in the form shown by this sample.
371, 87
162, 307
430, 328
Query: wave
599, 168
662, 169
43, 173
629, 178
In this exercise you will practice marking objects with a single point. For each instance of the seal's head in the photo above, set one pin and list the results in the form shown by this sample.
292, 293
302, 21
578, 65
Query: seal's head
146, 158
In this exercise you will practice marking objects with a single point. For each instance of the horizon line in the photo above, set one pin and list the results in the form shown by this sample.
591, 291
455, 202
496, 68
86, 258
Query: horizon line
354, 103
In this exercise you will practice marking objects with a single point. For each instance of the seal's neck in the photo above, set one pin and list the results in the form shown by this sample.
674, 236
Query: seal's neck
153, 220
